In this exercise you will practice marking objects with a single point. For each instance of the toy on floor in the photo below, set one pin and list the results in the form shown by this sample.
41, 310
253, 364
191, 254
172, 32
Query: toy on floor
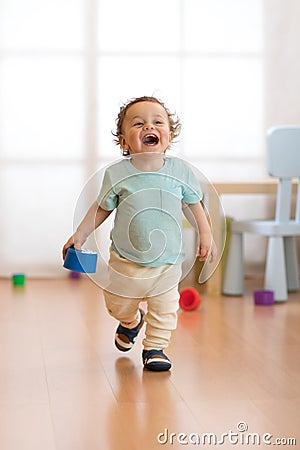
74, 275
189, 299
18, 279
263, 297
84, 260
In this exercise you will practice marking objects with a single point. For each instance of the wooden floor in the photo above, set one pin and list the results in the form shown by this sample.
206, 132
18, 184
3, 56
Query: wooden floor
64, 386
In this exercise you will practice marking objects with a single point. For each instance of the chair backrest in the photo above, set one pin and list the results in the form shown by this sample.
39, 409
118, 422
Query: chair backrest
283, 162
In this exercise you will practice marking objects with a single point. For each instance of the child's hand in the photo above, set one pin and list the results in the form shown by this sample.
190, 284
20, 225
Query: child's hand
78, 239
207, 248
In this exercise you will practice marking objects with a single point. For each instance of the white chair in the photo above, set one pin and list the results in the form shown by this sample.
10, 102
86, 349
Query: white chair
281, 273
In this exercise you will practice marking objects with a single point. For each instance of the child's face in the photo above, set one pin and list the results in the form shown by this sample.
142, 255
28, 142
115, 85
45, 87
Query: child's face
146, 128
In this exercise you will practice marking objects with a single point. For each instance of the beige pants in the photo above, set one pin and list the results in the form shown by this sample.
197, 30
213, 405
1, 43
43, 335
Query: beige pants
158, 286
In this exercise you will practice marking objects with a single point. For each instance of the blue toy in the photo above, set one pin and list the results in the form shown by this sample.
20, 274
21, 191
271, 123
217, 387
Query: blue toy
83, 260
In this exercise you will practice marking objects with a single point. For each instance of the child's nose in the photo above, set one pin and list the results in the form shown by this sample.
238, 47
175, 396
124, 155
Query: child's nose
148, 126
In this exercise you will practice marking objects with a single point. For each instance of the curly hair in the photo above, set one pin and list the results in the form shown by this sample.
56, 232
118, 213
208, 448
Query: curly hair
175, 125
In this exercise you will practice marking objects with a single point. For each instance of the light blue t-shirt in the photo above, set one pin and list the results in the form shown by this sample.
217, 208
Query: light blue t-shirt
148, 223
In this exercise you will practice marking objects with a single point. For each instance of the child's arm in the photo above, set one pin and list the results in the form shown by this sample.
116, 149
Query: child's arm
92, 220
207, 247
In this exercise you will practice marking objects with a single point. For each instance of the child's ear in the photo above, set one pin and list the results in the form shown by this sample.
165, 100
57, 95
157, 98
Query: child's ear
122, 142
171, 136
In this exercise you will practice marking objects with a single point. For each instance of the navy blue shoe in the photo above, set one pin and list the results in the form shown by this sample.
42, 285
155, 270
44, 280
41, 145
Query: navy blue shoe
156, 360
125, 337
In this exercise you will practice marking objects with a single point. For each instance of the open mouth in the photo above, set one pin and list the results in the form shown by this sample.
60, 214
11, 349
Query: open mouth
150, 139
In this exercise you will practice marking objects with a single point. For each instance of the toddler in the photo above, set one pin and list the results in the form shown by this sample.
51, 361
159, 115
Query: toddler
149, 191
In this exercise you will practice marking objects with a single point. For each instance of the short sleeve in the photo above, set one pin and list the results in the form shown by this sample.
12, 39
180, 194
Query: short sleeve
192, 192
107, 198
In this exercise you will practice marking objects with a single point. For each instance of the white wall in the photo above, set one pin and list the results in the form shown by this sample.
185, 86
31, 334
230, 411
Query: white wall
230, 68
281, 106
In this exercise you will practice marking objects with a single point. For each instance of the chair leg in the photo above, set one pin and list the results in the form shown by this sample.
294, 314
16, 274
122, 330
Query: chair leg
291, 260
275, 277
233, 283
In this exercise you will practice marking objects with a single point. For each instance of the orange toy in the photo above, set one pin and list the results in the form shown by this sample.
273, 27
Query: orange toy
189, 299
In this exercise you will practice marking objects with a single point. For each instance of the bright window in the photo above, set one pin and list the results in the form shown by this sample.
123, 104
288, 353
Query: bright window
66, 66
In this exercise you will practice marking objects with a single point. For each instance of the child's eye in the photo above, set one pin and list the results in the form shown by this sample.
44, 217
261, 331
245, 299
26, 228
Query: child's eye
138, 124
158, 122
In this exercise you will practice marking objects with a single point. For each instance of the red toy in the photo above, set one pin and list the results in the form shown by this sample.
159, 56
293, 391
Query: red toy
189, 299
